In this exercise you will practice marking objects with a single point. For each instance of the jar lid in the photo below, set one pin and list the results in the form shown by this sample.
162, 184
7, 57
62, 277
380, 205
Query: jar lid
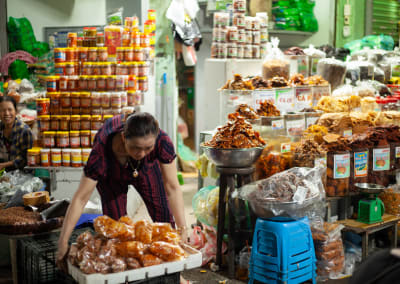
74, 132
60, 63
87, 63
86, 150
70, 34
391, 100
85, 77
93, 48
120, 48
142, 78
66, 117
54, 94
66, 94
102, 47
107, 116
33, 150
85, 94
51, 78
62, 133
96, 117
86, 116
49, 133
381, 101
45, 150
75, 117
75, 94
45, 117
55, 117
66, 150
59, 49
76, 150
85, 132
83, 48
55, 150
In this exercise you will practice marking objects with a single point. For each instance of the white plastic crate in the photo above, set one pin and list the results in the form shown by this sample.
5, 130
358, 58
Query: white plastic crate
193, 260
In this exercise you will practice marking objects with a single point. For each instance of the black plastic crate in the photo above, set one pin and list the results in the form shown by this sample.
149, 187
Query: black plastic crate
36, 257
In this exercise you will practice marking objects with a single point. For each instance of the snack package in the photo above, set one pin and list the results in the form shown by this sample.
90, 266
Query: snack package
364, 89
274, 63
343, 91
205, 205
332, 70
391, 199
329, 250
295, 193
113, 39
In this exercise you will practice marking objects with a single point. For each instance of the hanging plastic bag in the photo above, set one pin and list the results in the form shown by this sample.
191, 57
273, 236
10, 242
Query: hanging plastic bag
274, 64
205, 205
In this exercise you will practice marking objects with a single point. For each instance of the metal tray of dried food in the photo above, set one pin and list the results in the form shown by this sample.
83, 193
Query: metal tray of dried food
193, 260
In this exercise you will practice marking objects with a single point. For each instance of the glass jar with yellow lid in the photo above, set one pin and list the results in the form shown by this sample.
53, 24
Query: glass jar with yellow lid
75, 123
102, 53
83, 83
75, 99
87, 68
75, 139
92, 54
55, 123
85, 138
106, 69
33, 157
65, 99
64, 122
85, 100
44, 122
96, 68
101, 83
92, 83
62, 139
85, 122
49, 139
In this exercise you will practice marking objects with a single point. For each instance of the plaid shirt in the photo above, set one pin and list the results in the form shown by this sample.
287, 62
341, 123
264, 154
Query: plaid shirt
113, 178
21, 140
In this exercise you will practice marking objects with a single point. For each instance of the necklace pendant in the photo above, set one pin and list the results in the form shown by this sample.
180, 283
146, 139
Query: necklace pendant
135, 173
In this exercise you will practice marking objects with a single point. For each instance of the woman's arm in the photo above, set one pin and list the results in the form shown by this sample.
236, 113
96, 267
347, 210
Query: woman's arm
174, 193
75, 209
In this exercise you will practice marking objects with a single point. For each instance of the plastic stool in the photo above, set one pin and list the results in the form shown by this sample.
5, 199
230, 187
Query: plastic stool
283, 251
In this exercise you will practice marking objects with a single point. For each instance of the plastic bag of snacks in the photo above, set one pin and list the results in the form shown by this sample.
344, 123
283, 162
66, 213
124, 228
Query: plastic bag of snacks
205, 205
274, 63
329, 251
391, 199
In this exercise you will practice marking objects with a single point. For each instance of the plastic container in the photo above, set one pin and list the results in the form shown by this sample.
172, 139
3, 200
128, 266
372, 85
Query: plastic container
92, 136
96, 122
43, 106
70, 69
63, 83
85, 122
85, 155
87, 68
83, 83
59, 69
85, 100
102, 53
116, 100
45, 157
133, 68
76, 158
55, 123
132, 83
143, 84
66, 157
120, 83
71, 55
124, 99
134, 98
111, 81
128, 54
75, 99
144, 67
101, 83
64, 122
272, 126
44, 123
59, 55
33, 157
120, 53
56, 157
73, 82
221, 19
95, 99
232, 50
295, 125
359, 167
65, 99
92, 83
75, 139
52, 83
312, 117
75, 122
96, 68
85, 138
106, 69
83, 54
62, 139
106, 100
55, 102
379, 165
338, 173
92, 54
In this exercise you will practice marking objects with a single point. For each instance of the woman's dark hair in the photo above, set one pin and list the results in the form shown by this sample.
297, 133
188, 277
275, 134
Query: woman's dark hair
9, 99
141, 124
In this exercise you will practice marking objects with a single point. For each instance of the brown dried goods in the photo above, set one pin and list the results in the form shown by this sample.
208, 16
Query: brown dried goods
335, 122
268, 109
297, 80
306, 152
237, 133
295, 50
275, 68
246, 111
238, 84
316, 80
259, 83
278, 82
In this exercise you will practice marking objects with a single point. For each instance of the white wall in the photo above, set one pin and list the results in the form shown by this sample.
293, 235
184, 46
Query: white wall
46, 13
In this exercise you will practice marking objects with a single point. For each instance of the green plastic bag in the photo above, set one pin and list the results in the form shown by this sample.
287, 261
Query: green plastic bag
18, 70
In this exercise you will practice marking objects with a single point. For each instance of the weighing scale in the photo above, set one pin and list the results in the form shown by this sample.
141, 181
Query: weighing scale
370, 208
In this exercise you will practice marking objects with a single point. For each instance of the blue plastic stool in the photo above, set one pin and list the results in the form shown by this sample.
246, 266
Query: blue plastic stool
282, 251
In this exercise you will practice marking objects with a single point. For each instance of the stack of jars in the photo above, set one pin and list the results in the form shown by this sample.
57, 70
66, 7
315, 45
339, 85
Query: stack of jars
246, 38
57, 157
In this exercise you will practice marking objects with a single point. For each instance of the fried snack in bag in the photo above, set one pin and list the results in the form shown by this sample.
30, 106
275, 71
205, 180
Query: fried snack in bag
143, 231
166, 251
132, 263
150, 260
111, 229
130, 249
127, 220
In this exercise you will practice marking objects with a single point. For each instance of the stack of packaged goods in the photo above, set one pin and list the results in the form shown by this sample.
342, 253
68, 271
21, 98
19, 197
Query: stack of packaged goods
97, 76
245, 38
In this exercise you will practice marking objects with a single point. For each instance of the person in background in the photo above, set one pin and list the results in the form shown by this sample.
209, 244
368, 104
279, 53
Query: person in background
15, 136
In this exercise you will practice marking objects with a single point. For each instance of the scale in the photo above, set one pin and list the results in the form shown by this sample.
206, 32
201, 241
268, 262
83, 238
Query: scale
370, 208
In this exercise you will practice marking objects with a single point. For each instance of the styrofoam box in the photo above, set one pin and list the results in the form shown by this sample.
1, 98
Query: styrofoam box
193, 260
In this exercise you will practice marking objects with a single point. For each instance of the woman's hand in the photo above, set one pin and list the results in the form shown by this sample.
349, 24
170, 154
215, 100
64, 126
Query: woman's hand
183, 232
61, 257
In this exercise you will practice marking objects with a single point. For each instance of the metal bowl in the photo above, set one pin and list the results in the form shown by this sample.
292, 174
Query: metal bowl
233, 158
370, 188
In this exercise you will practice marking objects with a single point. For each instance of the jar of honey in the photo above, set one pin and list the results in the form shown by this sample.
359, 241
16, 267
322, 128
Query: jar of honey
85, 138
55, 157
55, 123
66, 157
64, 122
75, 139
49, 139
85, 122
45, 157
85, 100
65, 99
33, 157
76, 157
75, 99
63, 139
44, 123
96, 122
75, 123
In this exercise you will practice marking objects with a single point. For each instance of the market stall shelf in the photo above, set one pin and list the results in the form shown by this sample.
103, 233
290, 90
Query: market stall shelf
389, 222
193, 260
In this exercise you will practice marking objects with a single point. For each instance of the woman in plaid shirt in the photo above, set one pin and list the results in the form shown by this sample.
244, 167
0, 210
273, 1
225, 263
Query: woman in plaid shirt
134, 152
15, 136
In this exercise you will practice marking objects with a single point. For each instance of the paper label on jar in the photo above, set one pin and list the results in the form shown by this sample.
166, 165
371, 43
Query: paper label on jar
361, 164
44, 158
341, 166
302, 66
321, 162
55, 158
285, 99
397, 152
277, 124
285, 147
31, 160
304, 98
295, 127
347, 133
381, 159
260, 96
